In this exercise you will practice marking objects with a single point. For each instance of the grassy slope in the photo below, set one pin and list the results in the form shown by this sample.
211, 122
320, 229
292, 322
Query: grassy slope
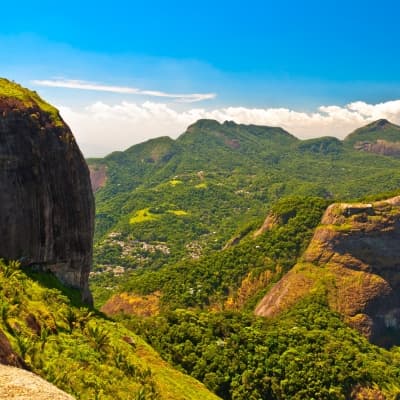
12, 90
80, 351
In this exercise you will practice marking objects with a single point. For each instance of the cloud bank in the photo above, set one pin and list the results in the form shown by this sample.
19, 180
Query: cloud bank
84, 85
101, 128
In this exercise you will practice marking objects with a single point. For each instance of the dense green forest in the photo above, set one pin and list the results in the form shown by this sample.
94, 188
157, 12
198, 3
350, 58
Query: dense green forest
306, 353
214, 278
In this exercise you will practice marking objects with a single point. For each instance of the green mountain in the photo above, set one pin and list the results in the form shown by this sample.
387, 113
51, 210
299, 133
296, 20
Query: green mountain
188, 229
381, 129
166, 201
307, 351
380, 137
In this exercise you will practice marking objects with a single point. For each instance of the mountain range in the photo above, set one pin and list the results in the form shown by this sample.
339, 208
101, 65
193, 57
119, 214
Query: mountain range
236, 262
164, 201
229, 221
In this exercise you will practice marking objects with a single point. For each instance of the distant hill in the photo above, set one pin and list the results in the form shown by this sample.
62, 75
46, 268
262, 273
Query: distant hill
182, 248
380, 137
167, 200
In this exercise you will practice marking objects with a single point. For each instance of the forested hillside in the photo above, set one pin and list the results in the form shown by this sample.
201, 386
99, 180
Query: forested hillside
76, 348
165, 202
193, 233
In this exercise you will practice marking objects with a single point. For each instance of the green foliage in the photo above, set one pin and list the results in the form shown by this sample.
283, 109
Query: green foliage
9, 89
323, 146
307, 353
380, 129
142, 216
225, 177
212, 278
77, 349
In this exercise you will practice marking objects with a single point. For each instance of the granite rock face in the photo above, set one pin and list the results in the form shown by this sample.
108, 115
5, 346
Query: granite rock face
354, 258
46, 200
17, 384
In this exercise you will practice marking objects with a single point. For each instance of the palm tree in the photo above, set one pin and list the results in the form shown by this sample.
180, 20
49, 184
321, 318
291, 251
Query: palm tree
98, 337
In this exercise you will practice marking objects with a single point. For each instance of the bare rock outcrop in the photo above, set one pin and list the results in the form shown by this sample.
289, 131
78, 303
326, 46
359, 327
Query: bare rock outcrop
98, 176
269, 222
354, 257
46, 201
18, 384
383, 147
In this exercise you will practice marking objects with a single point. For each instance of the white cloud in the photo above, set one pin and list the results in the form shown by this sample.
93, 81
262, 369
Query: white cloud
101, 128
84, 85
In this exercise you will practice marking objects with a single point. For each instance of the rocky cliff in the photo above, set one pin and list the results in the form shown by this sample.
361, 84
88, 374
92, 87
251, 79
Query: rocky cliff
353, 259
46, 201
98, 176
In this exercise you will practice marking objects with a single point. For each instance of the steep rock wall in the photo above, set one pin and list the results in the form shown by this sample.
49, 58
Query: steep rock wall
46, 201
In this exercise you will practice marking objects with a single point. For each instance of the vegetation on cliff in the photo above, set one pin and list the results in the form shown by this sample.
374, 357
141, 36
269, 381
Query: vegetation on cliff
353, 257
47, 205
28, 99
77, 349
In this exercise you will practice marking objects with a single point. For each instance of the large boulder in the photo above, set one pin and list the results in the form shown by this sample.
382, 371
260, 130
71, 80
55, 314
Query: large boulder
46, 200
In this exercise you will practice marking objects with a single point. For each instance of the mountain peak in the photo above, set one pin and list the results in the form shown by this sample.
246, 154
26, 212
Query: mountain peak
381, 124
381, 129
204, 124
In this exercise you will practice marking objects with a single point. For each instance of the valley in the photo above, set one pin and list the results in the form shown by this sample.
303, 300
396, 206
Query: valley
235, 262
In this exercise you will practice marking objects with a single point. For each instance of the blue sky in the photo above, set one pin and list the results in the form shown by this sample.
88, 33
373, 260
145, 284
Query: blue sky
209, 55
